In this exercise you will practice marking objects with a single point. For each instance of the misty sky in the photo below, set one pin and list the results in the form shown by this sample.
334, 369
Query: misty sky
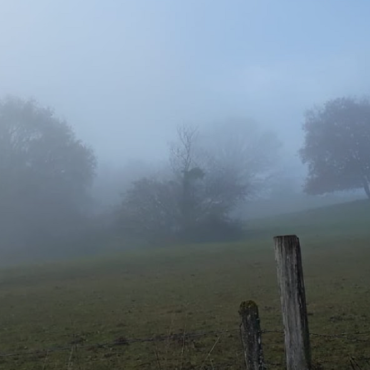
125, 73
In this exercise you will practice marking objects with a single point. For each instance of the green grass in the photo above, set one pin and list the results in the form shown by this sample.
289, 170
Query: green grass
140, 293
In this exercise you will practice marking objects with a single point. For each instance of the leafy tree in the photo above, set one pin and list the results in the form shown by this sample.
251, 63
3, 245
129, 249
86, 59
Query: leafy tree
45, 173
337, 146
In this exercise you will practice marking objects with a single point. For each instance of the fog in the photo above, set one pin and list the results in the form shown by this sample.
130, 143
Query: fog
126, 74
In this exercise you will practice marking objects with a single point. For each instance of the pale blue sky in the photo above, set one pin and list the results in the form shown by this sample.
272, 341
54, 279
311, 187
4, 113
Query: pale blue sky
125, 73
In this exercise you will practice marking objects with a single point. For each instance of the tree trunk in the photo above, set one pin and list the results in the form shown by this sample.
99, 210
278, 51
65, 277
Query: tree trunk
366, 187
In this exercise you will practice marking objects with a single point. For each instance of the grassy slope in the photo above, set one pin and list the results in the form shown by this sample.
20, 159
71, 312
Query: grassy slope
139, 293
336, 220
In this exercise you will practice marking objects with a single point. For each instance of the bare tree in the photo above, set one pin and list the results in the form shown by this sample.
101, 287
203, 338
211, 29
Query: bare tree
249, 154
184, 150
221, 167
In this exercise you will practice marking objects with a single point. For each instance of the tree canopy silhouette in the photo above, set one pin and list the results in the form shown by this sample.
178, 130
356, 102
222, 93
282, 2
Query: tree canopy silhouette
45, 173
337, 146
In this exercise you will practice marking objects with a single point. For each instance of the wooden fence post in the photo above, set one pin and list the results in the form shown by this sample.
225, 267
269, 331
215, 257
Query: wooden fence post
293, 302
250, 331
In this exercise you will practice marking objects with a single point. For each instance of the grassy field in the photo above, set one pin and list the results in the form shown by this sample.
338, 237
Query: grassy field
142, 293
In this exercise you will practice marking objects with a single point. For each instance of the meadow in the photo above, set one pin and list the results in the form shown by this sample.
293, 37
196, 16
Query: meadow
53, 315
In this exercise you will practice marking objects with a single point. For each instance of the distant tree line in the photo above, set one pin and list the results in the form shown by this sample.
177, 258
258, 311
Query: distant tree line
46, 175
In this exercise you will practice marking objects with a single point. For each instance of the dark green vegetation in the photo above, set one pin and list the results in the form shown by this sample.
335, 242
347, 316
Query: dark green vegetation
146, 292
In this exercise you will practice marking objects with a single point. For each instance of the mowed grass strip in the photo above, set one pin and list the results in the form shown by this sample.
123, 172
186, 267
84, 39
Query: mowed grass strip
141, 293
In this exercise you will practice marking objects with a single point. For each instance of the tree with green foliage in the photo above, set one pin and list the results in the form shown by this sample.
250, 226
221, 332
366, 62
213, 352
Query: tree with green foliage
337, 146
45, 174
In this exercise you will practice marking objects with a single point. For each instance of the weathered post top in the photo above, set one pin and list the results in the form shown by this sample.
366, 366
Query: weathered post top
247, 306
286, 241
